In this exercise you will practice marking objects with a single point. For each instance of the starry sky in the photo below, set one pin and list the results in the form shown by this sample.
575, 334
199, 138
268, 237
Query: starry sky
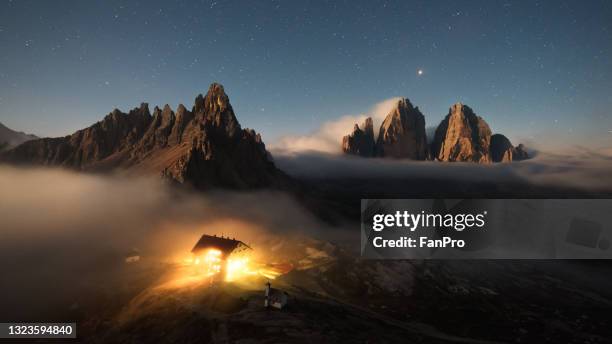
535, 70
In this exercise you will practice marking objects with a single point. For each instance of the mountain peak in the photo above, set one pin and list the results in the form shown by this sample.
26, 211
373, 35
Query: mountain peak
144, 107
216, 111
216, 100
180, 109
457, 106
205, 148
402, 133
368, 127
462, 136
360, 142
404, 103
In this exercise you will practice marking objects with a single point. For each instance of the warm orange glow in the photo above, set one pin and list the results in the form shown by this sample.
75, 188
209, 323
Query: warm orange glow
211, 262
237, 267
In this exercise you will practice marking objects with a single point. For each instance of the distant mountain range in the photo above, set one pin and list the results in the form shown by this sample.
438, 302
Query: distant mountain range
10, 138
461, 136
204, 147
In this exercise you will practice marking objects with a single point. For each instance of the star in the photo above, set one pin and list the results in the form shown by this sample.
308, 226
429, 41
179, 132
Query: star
420, 72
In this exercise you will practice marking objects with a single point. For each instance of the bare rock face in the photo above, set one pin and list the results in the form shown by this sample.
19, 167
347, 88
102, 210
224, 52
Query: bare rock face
205, 147
462, 136
502, 150
360, 141
402, 133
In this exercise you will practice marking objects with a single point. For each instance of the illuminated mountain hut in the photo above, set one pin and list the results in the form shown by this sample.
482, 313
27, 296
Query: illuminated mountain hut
211, 254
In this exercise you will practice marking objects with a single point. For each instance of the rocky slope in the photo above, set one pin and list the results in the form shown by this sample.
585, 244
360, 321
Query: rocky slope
10, 138
204, 147
340, 298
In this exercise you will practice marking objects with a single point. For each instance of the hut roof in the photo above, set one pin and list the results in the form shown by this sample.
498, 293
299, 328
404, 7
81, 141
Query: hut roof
225, 245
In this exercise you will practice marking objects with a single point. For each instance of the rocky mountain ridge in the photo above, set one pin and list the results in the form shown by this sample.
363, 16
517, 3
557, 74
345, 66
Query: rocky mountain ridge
205, 147
461, 136
11, 138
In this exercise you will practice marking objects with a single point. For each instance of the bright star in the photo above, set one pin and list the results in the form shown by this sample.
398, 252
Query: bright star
420, 72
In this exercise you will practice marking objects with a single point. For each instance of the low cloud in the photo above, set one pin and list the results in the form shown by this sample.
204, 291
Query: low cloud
582, 168
65, 235
328, 137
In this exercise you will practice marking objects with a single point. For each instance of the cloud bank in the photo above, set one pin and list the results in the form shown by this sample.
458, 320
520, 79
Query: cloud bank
581, 168
328, 137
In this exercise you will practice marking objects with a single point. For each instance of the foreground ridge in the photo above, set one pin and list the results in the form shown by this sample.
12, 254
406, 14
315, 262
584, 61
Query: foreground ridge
205, 147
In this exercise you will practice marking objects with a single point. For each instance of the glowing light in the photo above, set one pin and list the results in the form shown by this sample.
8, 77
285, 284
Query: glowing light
211, 265
238, 268
420, 72
269, 273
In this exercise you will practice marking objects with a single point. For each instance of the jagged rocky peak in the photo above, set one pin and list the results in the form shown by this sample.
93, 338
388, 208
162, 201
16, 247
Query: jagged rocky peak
167, 111
205, 148
216, 111
142, 110
216, 100
402, 133
182, 118
368, 127
167, 117
116, 113
360, 141
180, 110
462, 136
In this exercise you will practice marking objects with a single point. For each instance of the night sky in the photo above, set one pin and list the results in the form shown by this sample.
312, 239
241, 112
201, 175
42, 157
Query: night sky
535, 70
